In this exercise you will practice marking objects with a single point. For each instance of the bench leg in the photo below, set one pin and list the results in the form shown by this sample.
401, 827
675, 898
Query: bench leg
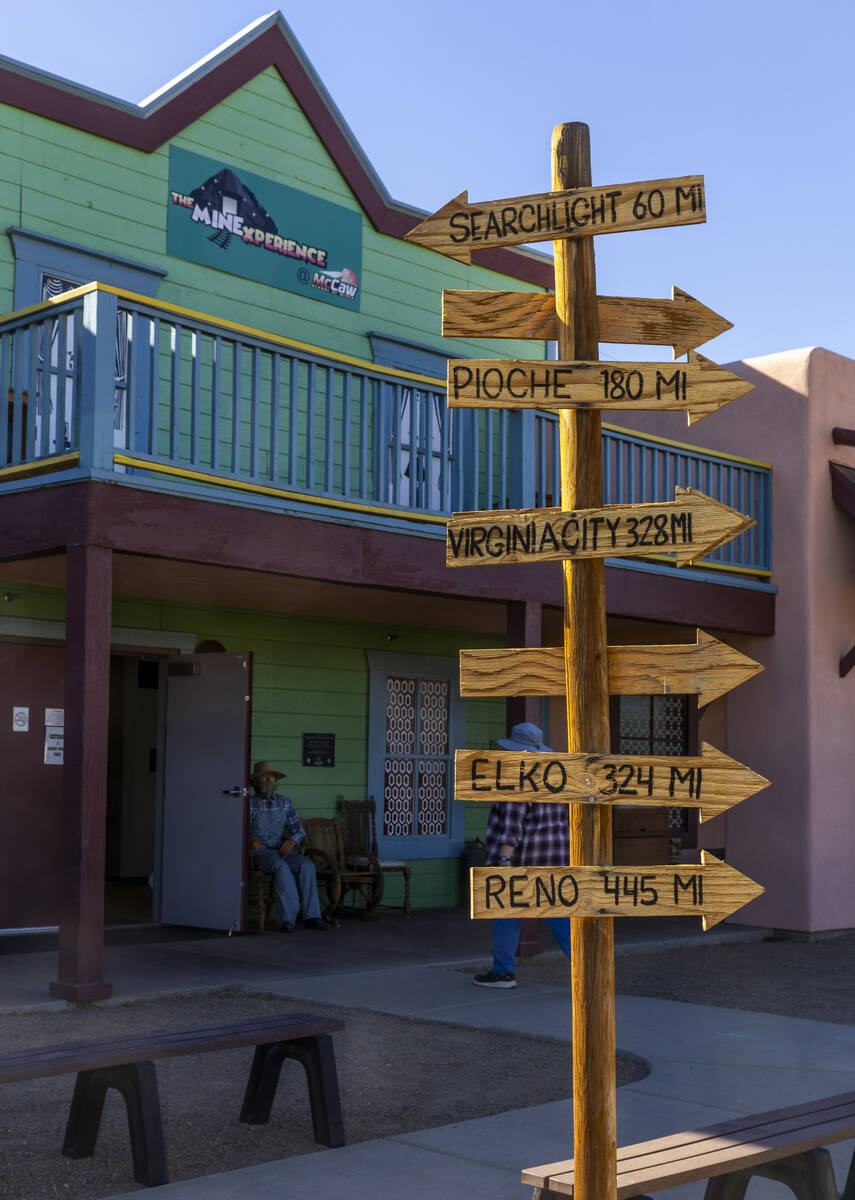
137, 1083
317, 1056
809, 1176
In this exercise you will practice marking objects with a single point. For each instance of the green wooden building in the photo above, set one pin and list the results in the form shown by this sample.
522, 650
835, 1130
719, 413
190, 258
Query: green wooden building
224, 476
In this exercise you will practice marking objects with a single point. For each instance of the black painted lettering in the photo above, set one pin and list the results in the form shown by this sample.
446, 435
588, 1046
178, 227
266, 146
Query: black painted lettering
493, 226
558, 766
679, 526
495, 546
612, 527
624, 789
494, 885
509, 383
547, 536
521, 538
497, 385
475, 225
642, 782
527, 228
501, 787
459, 230
475, 777
455, 544
544, 889
527, 776
517, 899
567, 884
461, 377
558, 383
595, 522
477, 536
573, 526
682, 778
611, 197
649, 891
579, 221
684, 885
611, 889
598, 209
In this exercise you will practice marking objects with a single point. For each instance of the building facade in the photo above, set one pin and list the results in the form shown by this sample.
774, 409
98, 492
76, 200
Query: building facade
224, 477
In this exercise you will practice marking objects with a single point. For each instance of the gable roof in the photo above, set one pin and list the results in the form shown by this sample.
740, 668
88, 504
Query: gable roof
266, 43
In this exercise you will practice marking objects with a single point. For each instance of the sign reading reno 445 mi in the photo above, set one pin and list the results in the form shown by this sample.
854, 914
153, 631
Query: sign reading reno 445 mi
238, 222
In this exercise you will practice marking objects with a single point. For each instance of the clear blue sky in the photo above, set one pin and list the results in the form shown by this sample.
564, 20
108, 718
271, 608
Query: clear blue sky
757, 95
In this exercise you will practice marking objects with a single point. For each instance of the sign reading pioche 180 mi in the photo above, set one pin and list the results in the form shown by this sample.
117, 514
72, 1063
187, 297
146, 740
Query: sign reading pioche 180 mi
230, 219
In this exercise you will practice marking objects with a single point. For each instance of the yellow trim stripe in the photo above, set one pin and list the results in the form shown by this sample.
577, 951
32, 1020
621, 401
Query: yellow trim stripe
350, 506
651, 437
279, 493
39, 466
706, 566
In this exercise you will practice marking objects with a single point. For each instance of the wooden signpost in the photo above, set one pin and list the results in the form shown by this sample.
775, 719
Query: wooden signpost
689, 527
681, 322
707, 668
581, 533
698, 386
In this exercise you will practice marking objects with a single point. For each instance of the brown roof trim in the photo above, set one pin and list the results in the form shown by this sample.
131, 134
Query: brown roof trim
151, 523
147, 128
843, 486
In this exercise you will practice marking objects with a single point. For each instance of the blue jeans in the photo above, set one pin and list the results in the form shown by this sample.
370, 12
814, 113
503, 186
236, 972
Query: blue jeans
506, 938
294, 883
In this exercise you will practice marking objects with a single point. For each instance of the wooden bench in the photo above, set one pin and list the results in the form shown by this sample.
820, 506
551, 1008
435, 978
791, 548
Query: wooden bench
126, 1064
783, 1145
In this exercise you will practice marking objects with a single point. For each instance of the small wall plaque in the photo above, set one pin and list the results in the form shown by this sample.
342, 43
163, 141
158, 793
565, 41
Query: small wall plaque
318, 749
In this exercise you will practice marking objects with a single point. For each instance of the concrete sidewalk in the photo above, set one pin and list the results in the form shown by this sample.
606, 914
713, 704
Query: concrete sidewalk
706, 1063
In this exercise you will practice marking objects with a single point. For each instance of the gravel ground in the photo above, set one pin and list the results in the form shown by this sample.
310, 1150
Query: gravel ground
396, 1075
792, 978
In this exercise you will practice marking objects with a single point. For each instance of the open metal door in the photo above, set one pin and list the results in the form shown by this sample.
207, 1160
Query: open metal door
206, 752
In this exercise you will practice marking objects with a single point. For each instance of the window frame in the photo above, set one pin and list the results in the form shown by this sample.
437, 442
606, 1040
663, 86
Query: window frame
382, 664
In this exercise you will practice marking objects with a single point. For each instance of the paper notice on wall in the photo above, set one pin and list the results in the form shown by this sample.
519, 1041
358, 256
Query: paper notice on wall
20, 719
55, 716
54, 742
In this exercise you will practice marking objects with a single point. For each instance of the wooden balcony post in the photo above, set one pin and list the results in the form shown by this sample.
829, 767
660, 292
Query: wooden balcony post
84, 774
96, 392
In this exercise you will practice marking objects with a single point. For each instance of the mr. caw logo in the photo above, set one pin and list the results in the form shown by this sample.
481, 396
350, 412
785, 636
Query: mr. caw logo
226, 206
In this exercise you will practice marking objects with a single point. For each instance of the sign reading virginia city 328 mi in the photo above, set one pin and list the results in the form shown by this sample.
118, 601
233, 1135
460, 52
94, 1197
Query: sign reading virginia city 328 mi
233, 220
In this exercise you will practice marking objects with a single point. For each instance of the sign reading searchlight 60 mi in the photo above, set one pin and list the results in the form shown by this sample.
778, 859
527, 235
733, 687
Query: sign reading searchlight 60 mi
239, 222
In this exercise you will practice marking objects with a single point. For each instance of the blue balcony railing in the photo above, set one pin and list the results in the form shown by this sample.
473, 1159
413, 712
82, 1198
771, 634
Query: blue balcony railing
103, 382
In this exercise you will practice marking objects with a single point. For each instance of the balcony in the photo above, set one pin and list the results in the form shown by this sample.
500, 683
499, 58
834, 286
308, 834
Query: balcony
105, 384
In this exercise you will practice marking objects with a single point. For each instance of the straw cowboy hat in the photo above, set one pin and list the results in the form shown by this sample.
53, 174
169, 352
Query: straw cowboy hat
265, 767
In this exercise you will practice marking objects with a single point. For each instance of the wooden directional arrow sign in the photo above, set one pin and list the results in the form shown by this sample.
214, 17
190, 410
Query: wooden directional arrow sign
690, 527
707, 667
712, 890
681, 322
711, 781
459, 227
698, 386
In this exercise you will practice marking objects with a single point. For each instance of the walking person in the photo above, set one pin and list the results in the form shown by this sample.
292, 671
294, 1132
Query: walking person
524, 835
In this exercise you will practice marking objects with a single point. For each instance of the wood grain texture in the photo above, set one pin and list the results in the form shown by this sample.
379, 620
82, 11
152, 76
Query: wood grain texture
699, 387
708, 668
689, 527
592, 984
682, 322
711, 781
459, 227
712, 890
733, 1145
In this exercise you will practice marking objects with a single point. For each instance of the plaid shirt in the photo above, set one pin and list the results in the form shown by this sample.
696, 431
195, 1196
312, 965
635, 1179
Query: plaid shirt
274, 820
539, 834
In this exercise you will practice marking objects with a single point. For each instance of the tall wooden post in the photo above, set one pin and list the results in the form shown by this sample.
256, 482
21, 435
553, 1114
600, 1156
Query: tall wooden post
586, 660
84, 774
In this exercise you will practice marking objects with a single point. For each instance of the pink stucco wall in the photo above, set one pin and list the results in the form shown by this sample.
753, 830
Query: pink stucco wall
794, 722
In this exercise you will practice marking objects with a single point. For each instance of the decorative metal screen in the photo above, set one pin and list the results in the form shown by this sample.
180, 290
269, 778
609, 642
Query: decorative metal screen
417, 758
655, 725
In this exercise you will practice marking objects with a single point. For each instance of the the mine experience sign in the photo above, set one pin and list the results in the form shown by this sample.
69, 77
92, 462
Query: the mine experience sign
689, 527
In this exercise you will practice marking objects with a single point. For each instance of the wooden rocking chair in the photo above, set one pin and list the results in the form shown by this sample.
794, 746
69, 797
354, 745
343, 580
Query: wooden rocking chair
360, 830
350, 881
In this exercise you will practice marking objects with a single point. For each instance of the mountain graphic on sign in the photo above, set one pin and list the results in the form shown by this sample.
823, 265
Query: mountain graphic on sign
239, 200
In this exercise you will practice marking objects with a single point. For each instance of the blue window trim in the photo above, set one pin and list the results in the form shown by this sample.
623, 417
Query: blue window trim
380, 665
38, 254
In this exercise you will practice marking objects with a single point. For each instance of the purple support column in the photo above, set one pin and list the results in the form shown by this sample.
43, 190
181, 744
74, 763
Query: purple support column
524, 629
89, 590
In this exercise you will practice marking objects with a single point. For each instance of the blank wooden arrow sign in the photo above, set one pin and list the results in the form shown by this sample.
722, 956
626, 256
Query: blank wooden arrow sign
681, 322
459, 227
711, 890
690, 527
698, 386
711, 781
707, 667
